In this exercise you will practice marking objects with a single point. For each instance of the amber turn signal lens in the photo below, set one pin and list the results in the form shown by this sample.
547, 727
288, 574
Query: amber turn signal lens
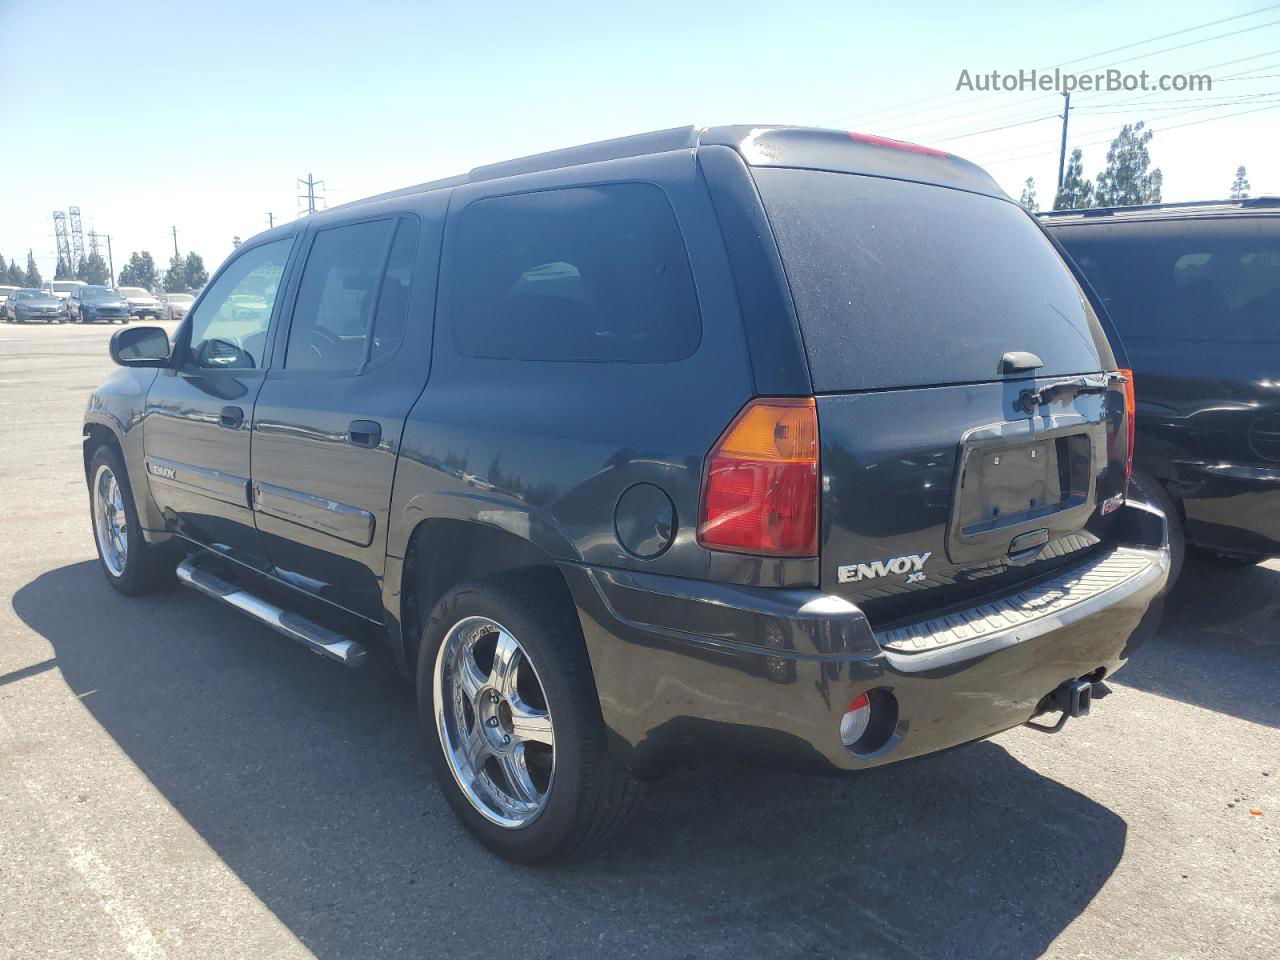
760, 492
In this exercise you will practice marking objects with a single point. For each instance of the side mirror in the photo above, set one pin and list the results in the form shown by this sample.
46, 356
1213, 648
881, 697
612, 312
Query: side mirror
140, 347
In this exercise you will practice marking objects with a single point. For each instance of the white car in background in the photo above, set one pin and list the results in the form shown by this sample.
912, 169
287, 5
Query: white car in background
176, 305
142, 303
5, 291
62, 288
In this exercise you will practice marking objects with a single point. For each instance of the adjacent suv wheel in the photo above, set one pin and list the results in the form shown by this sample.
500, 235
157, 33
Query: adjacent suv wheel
131, 564
513, 726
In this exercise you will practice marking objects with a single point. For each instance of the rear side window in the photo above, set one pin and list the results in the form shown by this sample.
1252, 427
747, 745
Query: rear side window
584, 273
902, 284
1213, 280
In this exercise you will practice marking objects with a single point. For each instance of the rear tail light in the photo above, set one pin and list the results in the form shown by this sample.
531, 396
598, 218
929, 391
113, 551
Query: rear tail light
1130, 416
1125, 428
760, 492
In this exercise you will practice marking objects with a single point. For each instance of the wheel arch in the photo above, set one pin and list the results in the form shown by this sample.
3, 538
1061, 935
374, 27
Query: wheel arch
444, 552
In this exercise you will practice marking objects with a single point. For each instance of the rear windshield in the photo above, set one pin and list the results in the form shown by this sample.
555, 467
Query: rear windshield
1198, 280
901, 284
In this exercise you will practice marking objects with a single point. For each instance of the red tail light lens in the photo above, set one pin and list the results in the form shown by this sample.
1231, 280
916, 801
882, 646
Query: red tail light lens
1130, 416
760, 491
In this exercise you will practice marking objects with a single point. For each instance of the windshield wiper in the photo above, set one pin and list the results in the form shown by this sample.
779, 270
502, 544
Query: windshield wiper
1061, 390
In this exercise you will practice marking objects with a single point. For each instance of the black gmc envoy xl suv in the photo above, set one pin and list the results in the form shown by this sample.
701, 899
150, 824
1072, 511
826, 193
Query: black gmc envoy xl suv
788, 445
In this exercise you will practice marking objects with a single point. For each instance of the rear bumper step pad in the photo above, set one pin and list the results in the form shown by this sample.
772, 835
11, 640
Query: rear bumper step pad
1045, 599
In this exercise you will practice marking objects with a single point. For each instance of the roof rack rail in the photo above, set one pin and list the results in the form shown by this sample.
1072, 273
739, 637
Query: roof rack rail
1263, 201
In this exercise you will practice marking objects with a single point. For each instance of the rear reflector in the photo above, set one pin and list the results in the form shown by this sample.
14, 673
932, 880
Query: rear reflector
760, 491
875, 141
855, 721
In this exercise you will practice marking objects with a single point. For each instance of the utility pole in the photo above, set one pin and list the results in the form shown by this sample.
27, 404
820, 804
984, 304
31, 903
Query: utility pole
111, 264
1062, 151
175, 242
310, 196
271, 219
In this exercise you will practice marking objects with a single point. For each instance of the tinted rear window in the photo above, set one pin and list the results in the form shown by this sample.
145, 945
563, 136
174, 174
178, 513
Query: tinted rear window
1206, 280
584, 273
902, 284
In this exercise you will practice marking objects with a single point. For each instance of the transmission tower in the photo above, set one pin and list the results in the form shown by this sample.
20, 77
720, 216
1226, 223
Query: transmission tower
77, 239
93, 243
63, 240
310, 198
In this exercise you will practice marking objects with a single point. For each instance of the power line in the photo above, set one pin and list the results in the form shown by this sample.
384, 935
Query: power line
1092, 56
1175, 126
986, 157
1153, 93
1175, 33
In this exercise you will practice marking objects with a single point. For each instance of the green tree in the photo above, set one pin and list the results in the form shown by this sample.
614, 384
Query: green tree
93, 269
62, 271
1075, 193
14, 275
33, 278
175, 278
1127, 179
4, 267
140, 271
1240, 186
197, 275
1028, 198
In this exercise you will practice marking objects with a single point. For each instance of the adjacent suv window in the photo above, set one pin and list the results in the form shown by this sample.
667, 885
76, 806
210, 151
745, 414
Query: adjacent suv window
1184, 281
353, 296
229, 327
583, 273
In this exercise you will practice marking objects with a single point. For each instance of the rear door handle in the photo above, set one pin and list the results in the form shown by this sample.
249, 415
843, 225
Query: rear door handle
364, 433
231, 418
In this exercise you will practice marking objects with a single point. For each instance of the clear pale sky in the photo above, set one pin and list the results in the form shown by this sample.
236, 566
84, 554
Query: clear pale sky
203, 115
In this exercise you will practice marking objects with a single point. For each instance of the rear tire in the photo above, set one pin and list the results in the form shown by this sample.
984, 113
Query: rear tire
131, 565
580, 794
1153, 492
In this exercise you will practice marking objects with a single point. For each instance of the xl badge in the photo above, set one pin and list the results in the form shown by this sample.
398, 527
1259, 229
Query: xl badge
912, 565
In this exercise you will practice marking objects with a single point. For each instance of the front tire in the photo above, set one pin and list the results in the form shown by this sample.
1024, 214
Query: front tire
509, 708
130, 564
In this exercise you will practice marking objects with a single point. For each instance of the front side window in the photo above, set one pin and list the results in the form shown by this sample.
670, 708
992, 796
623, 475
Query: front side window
337, 296
584, 273
229, 327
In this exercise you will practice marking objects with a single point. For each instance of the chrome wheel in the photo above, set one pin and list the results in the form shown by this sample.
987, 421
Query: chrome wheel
494, 723
109, 523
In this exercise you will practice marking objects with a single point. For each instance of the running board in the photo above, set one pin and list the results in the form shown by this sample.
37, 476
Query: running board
311, 635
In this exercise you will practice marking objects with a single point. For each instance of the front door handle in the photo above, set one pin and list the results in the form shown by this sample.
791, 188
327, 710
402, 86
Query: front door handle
231, 418
364, 433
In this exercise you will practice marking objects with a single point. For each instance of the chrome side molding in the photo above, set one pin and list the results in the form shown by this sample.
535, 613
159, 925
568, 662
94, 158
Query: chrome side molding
311, 635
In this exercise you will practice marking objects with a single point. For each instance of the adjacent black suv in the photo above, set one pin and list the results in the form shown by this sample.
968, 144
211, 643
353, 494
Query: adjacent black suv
781, 444
1194, 292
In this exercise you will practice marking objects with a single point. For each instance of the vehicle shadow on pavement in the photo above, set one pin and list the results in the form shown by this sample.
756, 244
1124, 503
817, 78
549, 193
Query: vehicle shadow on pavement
309, 783
1218, 646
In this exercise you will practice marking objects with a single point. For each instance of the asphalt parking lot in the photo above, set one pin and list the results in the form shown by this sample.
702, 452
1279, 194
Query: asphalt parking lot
176, 781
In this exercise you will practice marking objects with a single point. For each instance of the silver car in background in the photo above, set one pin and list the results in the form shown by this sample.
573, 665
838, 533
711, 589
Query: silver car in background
176, 305
142, 303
